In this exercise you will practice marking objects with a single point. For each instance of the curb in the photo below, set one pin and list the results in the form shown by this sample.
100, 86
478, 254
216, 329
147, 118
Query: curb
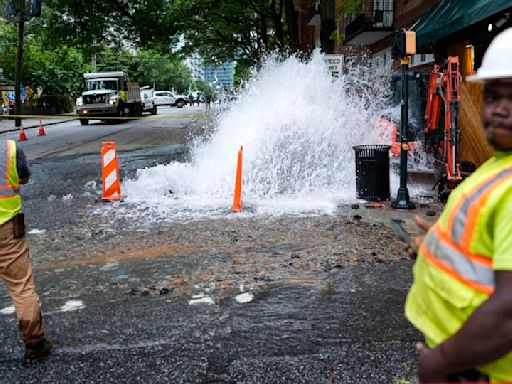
34, 126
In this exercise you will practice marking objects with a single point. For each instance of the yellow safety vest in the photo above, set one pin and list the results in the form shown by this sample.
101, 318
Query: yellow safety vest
453, 274
10, 199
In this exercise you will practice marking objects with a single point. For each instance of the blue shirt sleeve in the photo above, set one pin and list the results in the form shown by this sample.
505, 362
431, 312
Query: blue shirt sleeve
22, 164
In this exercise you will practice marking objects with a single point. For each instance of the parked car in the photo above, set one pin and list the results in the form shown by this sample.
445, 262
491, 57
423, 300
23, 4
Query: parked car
168, 98
163, 98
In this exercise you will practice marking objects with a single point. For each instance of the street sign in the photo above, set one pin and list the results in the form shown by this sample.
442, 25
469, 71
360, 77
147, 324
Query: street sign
335, 64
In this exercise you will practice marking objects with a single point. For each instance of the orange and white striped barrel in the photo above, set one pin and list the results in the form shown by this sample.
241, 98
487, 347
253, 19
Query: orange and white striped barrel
111, 185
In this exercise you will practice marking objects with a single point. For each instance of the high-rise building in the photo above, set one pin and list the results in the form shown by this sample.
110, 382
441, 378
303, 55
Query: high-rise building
220, 76
195, 63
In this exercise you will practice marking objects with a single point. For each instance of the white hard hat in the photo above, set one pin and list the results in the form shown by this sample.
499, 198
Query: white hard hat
497, 61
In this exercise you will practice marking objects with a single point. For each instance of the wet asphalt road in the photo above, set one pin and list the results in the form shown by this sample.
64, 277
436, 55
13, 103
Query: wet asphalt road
160, 302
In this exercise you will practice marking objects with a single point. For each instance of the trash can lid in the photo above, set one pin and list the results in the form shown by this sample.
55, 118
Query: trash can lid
376, 147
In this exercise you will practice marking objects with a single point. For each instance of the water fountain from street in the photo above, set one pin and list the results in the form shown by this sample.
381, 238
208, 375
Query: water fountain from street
297, 126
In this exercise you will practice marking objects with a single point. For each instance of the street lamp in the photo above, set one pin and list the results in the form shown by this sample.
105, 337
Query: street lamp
405, 46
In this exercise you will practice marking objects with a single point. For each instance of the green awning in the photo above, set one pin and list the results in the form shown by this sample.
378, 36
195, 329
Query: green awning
452, 15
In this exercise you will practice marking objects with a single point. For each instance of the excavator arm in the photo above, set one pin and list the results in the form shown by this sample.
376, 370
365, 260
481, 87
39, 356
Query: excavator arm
444, 139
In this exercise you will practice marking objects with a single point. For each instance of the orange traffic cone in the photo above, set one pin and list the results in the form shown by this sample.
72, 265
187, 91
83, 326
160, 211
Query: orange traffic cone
237, 198
41, 129
22, 137
111, 186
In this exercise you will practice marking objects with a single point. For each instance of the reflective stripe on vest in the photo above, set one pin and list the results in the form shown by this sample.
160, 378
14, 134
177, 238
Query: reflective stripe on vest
7, 155
463, 220
449, 250
475, 272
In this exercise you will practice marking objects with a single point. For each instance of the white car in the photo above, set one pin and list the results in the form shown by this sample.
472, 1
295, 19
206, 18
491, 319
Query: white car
168, 98
163, 98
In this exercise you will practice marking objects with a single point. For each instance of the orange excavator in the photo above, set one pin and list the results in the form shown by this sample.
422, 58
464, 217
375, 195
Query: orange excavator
435, 127
442, 135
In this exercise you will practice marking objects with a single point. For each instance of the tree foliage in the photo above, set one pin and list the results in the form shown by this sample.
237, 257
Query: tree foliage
163, 71
147, 67
220, 30
55, 72
243, 30
203, 86
88, 25
70, 32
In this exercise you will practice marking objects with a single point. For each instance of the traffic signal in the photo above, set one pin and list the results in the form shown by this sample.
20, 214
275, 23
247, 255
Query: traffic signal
404, 44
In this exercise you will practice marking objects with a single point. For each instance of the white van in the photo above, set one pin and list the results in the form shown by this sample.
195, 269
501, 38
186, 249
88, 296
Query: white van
148, 102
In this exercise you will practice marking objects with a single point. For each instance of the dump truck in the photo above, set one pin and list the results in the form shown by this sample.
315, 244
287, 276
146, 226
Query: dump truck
109, 94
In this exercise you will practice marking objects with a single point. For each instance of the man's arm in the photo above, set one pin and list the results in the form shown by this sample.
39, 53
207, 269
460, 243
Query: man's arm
487, 333
484, 337
22, 166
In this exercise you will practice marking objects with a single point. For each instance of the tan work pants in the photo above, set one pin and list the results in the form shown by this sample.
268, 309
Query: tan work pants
16, 272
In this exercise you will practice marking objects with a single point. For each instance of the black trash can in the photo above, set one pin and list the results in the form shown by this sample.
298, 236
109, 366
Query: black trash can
372, 172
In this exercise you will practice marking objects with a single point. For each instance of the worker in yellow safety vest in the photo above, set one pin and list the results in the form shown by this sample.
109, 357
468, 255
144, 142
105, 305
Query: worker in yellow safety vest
15, 266
461, 298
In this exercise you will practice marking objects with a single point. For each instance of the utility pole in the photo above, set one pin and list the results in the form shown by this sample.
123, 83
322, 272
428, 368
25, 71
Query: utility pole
19, 11
19, 61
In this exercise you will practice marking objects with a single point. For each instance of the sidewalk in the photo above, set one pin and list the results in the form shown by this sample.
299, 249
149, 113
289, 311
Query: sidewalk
7, 125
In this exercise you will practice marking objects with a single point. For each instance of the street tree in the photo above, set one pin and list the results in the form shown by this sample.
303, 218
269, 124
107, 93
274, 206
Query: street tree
244, 30
163, 71
89, 25
57, 74
147, 67
203, 86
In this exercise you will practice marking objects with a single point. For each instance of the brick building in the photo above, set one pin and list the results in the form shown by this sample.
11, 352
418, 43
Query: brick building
444, 27
464, 29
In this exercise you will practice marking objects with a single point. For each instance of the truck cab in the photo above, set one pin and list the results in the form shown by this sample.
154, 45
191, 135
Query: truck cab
109, 94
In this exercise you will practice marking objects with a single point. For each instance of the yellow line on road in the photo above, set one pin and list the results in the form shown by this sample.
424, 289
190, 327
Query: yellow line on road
73, 117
